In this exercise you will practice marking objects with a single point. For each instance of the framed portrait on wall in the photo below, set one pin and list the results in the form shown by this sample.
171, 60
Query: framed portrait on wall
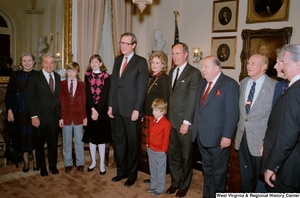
265, 42
267, 11
225, 16
225, 49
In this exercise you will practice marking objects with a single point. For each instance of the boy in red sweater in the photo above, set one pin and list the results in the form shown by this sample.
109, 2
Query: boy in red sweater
157, 146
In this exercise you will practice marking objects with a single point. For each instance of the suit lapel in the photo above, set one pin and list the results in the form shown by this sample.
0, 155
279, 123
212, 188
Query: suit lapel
44, 80
213, 91
130, 63
262, 93
182, 76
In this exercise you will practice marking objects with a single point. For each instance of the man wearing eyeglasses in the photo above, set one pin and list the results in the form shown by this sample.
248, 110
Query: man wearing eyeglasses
126, 98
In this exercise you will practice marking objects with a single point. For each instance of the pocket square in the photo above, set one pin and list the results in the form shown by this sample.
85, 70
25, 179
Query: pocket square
183, 81
218, 93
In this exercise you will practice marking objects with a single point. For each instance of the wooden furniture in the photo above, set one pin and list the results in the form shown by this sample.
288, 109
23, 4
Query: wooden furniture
233, 175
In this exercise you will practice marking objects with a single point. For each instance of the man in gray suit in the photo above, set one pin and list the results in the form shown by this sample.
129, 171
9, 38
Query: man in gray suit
256, 94
183, 83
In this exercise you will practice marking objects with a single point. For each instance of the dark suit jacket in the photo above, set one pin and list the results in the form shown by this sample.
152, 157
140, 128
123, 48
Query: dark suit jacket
183, 98
72, 110
282, 140
159, 134
219, 114
128, 92
41, 101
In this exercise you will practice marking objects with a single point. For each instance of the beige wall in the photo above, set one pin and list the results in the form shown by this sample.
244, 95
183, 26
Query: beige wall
25, 28
195, 26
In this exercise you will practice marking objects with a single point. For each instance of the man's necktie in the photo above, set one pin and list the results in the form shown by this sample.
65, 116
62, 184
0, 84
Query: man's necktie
250, 98
155, 121
175, 80
71, 90
51, 83
205, 93
124, 65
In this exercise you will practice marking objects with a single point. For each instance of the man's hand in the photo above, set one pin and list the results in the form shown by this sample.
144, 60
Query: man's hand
35, 122
184, 129
261, 150
134, 115
268, 176
10, 116
61, 123
225, 142
109, 112
84, 122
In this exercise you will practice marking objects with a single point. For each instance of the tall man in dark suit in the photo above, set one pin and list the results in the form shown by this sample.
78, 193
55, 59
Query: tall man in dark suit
44, 109
256, 94
214, 125
126, 98
281, 151
183, 83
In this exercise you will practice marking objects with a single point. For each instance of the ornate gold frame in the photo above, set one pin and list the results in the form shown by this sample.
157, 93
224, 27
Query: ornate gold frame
281, 15
253, 38
229, 41
68, 55
218, 6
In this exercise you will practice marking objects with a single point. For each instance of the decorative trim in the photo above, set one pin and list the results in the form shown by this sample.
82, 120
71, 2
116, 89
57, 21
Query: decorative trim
41, 12
68, 55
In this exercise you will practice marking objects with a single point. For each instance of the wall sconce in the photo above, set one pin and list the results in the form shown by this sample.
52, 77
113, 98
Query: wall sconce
198, 55
57, 57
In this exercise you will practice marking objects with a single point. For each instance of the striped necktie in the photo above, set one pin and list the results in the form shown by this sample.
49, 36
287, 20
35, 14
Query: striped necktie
71, 90
250, 98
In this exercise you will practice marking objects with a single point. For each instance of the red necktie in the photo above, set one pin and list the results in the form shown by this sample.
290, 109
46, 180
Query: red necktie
206, 93
124, 65
71, 90
51, 83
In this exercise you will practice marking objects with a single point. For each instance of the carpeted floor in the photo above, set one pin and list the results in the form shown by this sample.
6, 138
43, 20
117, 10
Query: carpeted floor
15, 183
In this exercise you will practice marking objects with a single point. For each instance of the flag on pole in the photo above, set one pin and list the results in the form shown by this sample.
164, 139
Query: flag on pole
176, 34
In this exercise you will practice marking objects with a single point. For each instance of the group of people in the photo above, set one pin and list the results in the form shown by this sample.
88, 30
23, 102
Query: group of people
170, 111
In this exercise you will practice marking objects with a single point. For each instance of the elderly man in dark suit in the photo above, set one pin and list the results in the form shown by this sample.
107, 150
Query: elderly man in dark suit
44, 109
214, 125
183, 83
256, 94
281, 150
129, 82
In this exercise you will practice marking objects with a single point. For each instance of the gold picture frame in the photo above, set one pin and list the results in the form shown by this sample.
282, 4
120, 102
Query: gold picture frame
225, 16
225, 49
271, 39
264, 11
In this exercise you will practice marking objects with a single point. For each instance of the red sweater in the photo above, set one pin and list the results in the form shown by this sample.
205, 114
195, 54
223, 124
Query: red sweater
159, 134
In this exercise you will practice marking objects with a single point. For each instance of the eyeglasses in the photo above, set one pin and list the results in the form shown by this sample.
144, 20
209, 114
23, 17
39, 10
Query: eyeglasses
124, 43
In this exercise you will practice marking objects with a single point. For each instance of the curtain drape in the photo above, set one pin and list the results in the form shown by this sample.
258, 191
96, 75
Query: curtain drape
89, 20
121, 16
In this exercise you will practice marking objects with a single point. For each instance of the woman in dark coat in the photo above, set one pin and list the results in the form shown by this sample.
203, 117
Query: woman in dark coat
98, 129
17, 110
